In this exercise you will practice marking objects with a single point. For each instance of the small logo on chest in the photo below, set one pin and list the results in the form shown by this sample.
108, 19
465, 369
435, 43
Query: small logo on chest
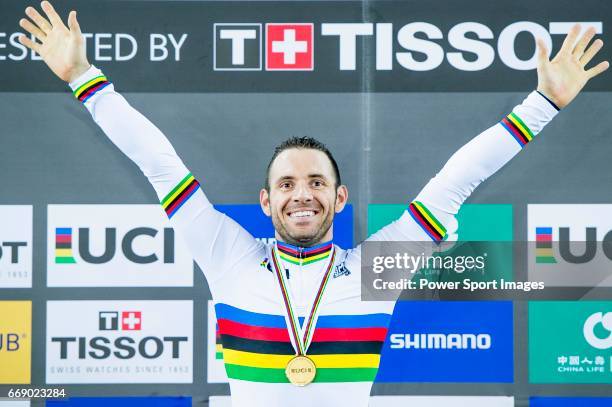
341, 270
266, 264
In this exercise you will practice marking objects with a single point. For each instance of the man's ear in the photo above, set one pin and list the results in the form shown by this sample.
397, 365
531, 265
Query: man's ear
264, 201
341, 198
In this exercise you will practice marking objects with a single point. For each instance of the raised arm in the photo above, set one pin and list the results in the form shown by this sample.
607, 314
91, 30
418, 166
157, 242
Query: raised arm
431, 216
213, 238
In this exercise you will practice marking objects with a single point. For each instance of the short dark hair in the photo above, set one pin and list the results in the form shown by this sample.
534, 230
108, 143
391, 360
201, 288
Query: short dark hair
303, 143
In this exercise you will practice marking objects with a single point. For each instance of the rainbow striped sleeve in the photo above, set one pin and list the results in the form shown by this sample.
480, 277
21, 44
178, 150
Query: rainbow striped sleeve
517, 129
90, 88
427, 221
179, 195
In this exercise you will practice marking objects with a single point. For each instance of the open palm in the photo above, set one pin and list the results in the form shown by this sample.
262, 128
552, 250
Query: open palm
62, 48
562, 78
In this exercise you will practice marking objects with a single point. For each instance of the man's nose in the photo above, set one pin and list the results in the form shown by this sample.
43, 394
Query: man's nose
302, 193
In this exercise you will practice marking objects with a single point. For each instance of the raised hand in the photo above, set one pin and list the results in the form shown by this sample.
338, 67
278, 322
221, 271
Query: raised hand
62, 48
562, 78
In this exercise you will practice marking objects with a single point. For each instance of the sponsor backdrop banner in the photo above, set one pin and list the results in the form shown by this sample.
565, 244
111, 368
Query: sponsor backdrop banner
331, 46
114, 245
454, 341
570, 342
449, 342
15, 342
15, 246
119, 342
393, 88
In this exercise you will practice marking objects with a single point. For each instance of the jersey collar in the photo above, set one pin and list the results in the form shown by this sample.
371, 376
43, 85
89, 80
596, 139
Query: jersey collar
304, 255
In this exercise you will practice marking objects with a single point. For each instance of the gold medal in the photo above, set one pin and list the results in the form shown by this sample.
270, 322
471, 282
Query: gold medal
301, 370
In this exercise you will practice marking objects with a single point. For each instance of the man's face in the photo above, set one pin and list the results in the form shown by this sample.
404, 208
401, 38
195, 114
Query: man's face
303, 197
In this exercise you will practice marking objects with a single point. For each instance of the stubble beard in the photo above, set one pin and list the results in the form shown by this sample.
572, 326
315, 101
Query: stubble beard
303, 240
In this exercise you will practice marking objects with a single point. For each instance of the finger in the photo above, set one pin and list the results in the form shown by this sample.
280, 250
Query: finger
591, 52
73, 24
29, 43
55, 19
570, 39
597, 69
542, 52
583, 42
40, 21
32, 29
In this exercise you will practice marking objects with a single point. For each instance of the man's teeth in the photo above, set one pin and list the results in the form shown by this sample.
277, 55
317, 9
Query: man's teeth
302, 214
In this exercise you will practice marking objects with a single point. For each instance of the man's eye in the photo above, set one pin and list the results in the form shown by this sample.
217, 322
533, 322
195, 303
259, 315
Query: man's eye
317, 183
285, 185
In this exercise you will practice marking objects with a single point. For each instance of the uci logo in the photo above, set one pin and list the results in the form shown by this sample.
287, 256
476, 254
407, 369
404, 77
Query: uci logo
64, 245
590, 325
578, 251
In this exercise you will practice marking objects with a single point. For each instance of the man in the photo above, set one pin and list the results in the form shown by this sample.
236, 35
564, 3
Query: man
292, 333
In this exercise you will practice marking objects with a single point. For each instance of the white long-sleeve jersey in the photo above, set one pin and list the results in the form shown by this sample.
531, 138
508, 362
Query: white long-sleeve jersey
349, 332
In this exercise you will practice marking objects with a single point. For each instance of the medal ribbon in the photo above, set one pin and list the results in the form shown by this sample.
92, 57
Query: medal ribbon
294, 329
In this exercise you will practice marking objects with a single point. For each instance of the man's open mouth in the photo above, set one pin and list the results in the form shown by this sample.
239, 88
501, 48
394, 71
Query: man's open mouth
302, 213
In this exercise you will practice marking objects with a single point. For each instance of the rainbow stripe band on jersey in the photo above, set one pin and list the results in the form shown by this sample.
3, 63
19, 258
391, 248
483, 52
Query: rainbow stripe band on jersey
179, 195
304, 256
90, 88
517, 128
256, 347
427, 221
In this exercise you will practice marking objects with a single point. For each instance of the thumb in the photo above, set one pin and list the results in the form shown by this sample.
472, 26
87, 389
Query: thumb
73, 24
542, 52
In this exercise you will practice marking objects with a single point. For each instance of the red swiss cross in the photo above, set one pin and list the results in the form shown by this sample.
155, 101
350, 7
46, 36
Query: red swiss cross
289, 46
131, 320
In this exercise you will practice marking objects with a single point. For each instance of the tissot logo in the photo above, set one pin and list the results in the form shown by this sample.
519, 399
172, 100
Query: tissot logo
467, 46
134, 341
130, 321
238, 47
114, 245
10, 251
15, 246
289, 47
101, 347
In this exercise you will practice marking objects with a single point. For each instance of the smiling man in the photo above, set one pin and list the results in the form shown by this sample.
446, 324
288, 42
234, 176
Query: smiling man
293, 327
307, 192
